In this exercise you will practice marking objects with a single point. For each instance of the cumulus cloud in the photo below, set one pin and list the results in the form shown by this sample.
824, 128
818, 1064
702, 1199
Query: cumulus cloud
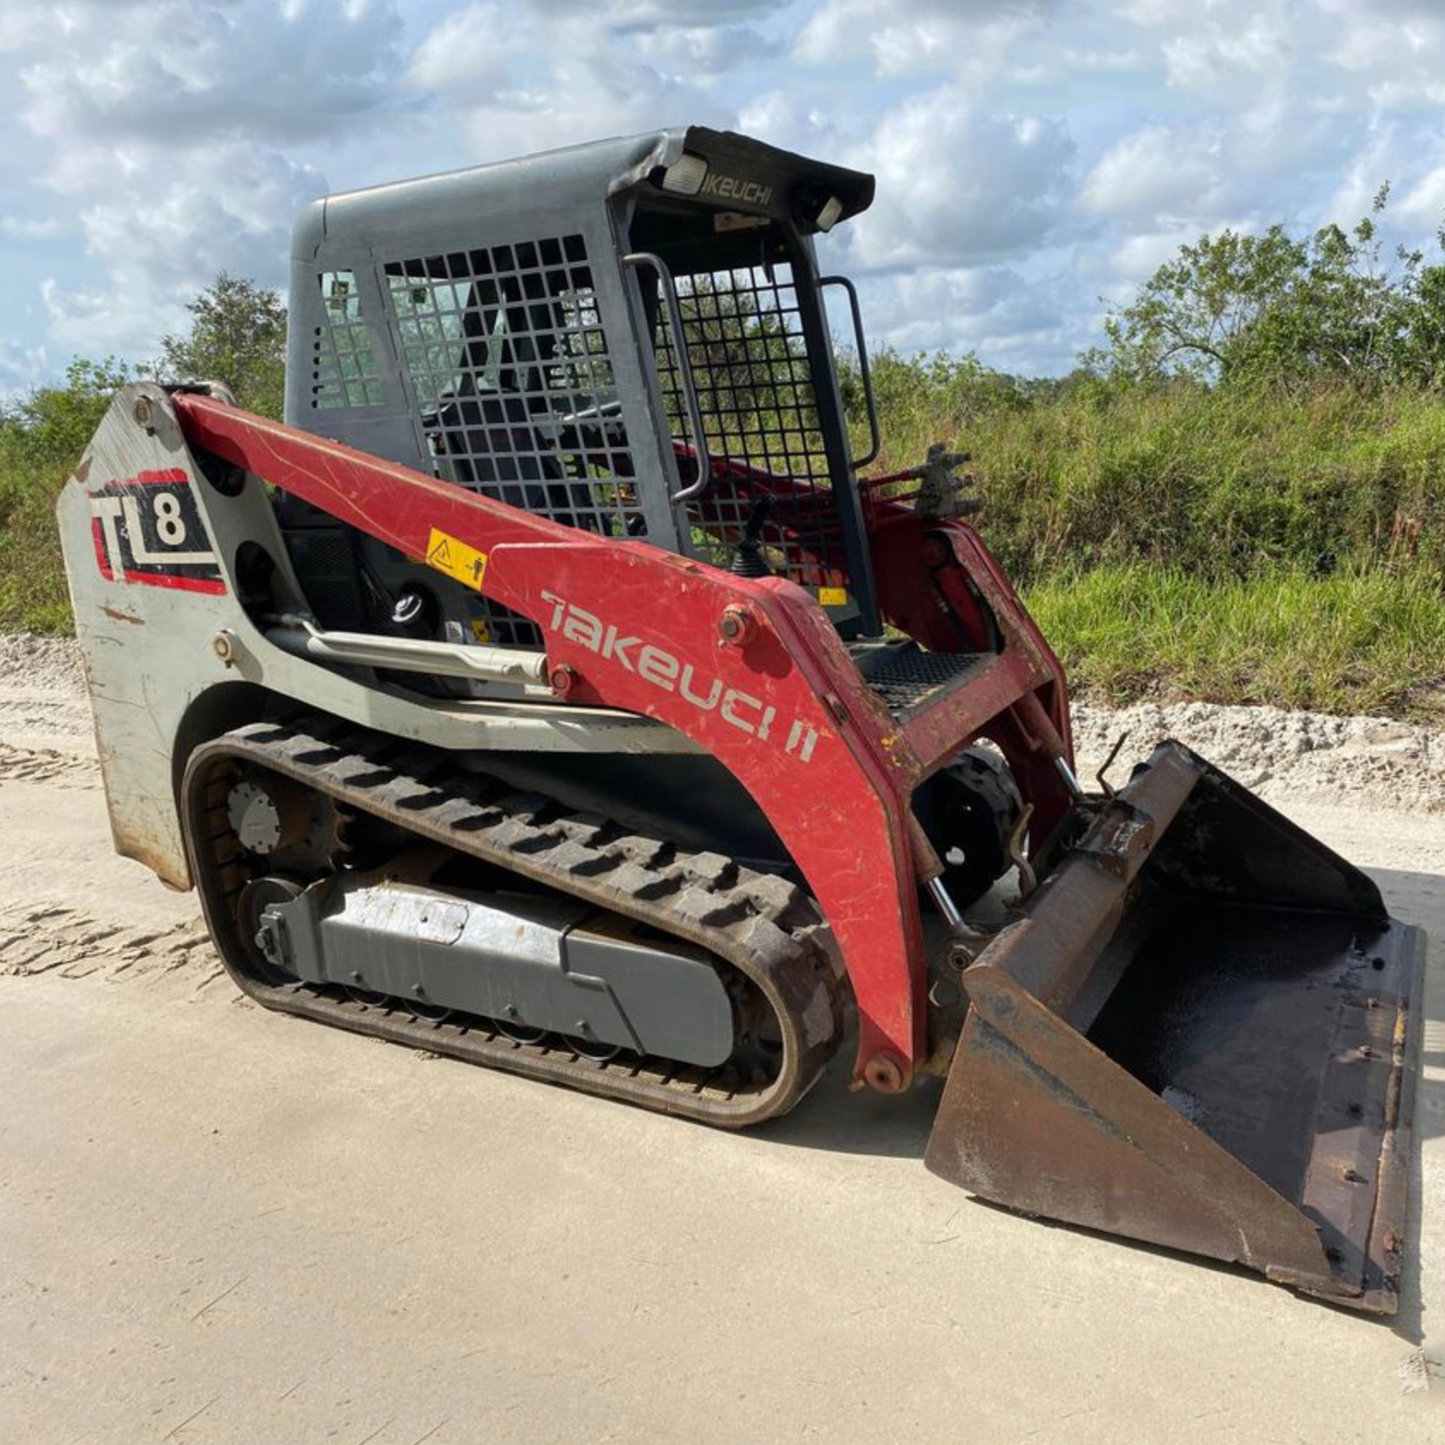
1032, 155
1228, 56
472, 50
514, 82
926, 37
1393, 52
1424, 203
29, 228
960, 185
1158, 171
21, 369
181, 71
785, 120
225, 208
993, 310
705, 51
629, 14
161, 132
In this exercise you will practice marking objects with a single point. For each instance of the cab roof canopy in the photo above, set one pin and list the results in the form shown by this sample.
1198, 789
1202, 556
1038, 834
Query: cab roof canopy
683, 165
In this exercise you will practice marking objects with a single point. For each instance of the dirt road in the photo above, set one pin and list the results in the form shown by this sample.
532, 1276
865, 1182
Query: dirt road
219, 1225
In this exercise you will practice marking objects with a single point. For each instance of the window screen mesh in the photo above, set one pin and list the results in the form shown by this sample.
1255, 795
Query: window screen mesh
508, 360
754, 383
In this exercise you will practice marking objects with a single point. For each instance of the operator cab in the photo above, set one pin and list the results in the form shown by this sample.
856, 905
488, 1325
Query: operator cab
627, 337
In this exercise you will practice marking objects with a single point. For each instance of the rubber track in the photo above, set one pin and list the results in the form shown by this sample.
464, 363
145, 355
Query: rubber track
761, 924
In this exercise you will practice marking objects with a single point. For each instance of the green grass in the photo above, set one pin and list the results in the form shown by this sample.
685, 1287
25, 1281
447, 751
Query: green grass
1222, 484
32, 572
1352, 643
1236, 545
1230, 545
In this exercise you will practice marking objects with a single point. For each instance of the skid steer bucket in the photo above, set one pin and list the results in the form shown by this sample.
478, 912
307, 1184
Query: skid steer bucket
1203, 1034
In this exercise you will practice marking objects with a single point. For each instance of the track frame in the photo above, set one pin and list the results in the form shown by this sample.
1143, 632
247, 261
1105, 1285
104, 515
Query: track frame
760, 925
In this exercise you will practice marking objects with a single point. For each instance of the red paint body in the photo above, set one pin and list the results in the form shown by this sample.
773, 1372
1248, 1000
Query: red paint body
842, 811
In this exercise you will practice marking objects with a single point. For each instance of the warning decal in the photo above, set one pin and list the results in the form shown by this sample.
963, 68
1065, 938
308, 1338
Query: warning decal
456, 558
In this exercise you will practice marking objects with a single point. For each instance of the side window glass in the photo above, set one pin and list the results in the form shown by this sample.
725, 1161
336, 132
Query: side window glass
343, 367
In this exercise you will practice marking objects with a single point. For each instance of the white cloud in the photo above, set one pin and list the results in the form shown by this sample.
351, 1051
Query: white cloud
1102, 62
704, 50
1397, 57
959, 185
520, 82
1154, 12
1157, 171
1424, 204
628, 14
227, 207
1230, 56
1004, 315
1138, 257
781, 119
1411, 159
23, 25
927, 37
181, 71
21, 369
27, 228
1031, 155
161, 131
472, 51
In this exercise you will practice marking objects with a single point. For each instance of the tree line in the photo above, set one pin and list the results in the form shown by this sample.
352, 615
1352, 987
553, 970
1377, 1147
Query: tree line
1285, 310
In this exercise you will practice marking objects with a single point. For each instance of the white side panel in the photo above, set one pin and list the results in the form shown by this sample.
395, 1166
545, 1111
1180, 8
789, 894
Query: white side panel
150, 548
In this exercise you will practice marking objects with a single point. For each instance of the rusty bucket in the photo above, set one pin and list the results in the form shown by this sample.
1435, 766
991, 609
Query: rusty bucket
1203, 1034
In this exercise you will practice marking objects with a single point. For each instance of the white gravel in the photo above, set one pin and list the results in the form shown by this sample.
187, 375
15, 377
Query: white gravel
1284, 756
45, 663
42, 694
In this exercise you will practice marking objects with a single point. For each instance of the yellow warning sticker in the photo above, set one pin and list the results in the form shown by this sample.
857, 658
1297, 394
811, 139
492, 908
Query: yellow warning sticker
456, 558
833, 596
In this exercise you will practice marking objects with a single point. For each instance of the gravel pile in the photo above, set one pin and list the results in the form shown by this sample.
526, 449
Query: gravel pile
1283, 756
33, 662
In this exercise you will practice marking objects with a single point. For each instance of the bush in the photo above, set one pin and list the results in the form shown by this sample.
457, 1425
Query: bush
1222, 483
41, 439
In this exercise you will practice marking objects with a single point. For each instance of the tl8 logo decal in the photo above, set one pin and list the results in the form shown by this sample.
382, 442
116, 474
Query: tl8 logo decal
148, 529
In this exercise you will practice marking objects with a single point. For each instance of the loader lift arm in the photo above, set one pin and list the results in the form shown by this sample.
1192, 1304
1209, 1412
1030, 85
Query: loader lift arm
1064, 1096
784, 708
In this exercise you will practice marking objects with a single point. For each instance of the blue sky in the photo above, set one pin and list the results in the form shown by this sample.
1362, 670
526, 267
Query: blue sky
1036, 158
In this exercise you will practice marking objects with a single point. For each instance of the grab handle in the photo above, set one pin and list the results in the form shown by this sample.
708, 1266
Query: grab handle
684, 371
863, 371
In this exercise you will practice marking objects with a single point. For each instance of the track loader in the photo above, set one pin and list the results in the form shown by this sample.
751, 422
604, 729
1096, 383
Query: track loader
555, 691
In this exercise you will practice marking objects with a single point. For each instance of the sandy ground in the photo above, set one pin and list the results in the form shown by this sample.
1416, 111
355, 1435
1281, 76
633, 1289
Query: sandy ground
221, 1225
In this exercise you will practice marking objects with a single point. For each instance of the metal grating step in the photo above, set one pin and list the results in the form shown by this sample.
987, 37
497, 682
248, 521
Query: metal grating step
909, 679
